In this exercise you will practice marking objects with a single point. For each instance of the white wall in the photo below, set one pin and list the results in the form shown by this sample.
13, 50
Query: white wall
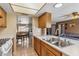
36, 30
10, 30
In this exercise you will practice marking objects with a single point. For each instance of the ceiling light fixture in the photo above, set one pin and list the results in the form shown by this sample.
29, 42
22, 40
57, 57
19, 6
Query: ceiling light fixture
57, 5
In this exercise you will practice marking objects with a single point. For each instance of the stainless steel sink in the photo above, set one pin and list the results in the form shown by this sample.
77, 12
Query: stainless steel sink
58, 42
63, 43
51, 40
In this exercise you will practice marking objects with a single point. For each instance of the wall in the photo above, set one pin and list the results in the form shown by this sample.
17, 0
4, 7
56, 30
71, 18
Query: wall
36, 30
74, 29
10, 30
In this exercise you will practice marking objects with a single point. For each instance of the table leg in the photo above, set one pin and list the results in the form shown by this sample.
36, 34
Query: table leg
22, 42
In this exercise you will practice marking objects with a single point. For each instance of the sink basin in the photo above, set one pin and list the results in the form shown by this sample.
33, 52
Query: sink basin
51, 40
58, 42
63, 44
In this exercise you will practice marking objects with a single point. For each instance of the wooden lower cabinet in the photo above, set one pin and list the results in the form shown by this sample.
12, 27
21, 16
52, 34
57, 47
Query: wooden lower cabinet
49, 53
37, 45
43, 49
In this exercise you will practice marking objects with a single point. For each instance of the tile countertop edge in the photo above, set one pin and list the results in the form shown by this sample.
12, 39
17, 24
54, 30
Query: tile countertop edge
63, 50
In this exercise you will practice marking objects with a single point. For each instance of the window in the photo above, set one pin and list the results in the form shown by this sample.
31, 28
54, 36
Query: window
23, 22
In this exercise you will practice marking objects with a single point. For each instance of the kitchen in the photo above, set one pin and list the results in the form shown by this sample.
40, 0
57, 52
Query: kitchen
39, 29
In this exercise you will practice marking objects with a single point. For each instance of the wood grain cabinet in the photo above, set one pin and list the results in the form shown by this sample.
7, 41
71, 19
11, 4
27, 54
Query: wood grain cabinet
37, 45
2, 18
43, 49
49, 53
44, 20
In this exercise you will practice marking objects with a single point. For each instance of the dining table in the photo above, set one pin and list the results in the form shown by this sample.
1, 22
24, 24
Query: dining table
22, 36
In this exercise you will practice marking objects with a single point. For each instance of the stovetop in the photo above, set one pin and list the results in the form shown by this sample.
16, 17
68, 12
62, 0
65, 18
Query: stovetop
3, 41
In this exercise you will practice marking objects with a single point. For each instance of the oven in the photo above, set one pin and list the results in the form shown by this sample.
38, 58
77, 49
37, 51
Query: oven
6, 49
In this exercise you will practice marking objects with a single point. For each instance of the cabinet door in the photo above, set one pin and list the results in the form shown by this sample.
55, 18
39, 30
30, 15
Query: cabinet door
38, 46
48, 50
43, 51
44, 19
2, 18
41, 22
35, 43
49, 53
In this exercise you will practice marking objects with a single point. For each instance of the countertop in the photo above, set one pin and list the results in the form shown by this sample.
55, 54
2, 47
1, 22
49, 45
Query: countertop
72, 50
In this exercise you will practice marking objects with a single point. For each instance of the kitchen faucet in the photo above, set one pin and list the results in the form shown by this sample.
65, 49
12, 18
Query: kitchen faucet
60, 41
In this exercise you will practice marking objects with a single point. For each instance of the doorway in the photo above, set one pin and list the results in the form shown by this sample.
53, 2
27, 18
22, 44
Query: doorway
24, 30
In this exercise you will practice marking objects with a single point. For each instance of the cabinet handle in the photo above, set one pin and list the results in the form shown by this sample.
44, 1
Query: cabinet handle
0, 16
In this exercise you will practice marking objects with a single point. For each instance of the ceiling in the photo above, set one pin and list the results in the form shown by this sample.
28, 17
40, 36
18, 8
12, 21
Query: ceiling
27, 8
6, 7
39, 8
58, 12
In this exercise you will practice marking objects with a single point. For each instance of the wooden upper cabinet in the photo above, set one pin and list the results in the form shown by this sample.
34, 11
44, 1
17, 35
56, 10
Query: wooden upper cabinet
44, 20
2, 18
